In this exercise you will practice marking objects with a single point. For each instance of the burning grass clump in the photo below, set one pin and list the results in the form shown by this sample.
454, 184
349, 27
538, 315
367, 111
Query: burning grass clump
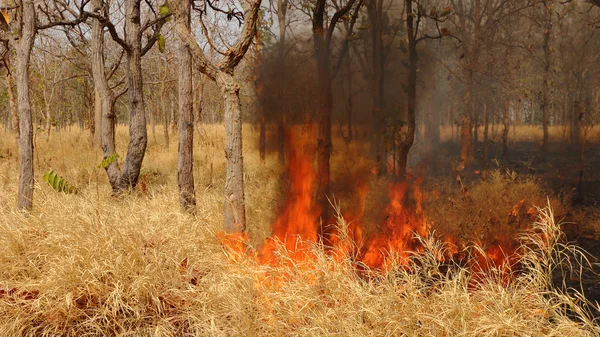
326, 295
489, 212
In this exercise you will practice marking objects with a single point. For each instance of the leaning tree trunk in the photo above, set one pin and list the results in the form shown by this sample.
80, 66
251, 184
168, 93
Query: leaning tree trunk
24, 46
185, 149
235, 214
138, 137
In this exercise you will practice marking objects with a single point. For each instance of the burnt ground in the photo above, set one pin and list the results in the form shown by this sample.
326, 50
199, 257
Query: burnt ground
559, 173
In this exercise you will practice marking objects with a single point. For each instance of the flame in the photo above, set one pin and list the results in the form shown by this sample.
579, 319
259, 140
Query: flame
403, 219
298, 220
295, 231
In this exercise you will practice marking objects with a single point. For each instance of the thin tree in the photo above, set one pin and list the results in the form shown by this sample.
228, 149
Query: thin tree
185, 140
322, 37
222, 74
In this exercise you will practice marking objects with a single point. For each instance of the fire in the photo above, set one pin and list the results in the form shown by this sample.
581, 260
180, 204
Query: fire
403, 219
295, 230
298, 220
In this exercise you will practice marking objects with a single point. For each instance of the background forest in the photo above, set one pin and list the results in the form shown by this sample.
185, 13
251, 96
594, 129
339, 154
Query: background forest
291, 167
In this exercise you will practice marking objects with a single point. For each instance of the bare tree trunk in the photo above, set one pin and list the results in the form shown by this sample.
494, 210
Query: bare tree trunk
259, 91
349, 104
235, 214
185, 149
105, 101
506, 121
174, 119
152, 114
47, 113
138, 137
465, 131
375, 14
412, 92
281, 19
546, 75
14, 113
163, 108
485, 135
262, 139
23, 47
97, 117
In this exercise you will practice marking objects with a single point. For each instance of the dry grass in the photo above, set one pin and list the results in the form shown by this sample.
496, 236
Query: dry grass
524, 133
92, 265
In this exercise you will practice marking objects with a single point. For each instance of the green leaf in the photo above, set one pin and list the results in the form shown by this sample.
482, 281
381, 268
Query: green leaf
161, 43
58, 183
421, 10
108, 160
164, 9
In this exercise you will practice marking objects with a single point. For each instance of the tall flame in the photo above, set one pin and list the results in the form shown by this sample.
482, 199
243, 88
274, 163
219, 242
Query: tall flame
296, 226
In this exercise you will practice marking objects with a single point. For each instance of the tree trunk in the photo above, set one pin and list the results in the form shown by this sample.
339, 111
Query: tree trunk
281, 18
376, 77
105, 101
324, 146
412, 92
23, 47
349, 103
185, 149
138, 137
14, 113
262, 139
259, 91
485, 135
506, 121
546, 75
465, 130
163, 108
97, 117
235, 214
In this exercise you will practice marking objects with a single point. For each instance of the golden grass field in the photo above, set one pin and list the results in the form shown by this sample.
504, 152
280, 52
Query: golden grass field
89, 264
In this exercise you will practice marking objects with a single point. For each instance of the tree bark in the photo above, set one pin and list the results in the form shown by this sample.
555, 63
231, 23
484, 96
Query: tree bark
14, 113
485, 135
506, 122
375, 14
465, 128
163, 107
407, 143
105, 102
185, 149
138, 137
281, 18
24, 47
235, 215
546, 75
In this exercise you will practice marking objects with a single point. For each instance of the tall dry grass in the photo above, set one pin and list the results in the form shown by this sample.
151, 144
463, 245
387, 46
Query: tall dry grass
88, 264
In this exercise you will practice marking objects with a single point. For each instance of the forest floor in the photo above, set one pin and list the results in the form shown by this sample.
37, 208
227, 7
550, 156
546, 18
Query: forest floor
91, 264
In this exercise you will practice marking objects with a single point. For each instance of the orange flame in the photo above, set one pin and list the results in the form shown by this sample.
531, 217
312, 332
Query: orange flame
296, 227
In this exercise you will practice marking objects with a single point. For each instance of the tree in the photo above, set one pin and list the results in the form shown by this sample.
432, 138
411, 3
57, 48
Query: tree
322, 37
24, 44
222, 74
127, 177
185, 142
